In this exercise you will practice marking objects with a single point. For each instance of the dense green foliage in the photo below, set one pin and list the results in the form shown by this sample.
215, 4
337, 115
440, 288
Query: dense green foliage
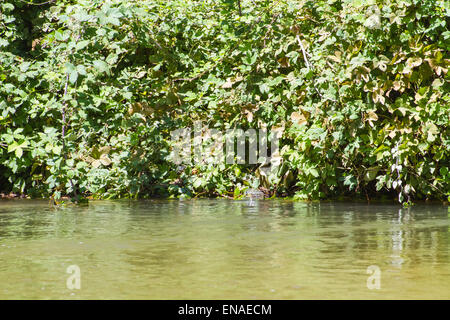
90, 90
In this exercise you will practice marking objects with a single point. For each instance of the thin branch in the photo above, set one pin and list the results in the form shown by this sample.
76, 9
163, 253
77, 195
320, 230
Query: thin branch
424, 180
308, 64
304, 53
269, 28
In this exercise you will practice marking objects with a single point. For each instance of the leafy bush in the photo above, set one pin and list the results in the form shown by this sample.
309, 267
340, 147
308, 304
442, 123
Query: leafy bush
90, 91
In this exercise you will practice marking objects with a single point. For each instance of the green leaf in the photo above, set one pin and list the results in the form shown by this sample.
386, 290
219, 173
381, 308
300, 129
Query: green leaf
69, 67
113, 21
264, 88
56, 150
12, 147
61, 36
73, 76
127, 95
371, 173
101, 66
7, 7
314, 172
198, 182
250, 59
82, 44
81, 69
19, 152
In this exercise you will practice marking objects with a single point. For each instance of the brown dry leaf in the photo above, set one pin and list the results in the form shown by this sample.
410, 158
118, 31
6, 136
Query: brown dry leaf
228, 84
88, 159
378, 96
398, 84
238, 79
278, 130
104, 159
298, 118
249, 115
414, 62
399, 57
323, 36
336, 58
141, 74
406, 130
372, 117
249, 110
104, 150
96, 163
434, 97
34, 43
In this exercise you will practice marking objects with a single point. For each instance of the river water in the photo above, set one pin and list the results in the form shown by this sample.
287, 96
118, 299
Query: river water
223, 249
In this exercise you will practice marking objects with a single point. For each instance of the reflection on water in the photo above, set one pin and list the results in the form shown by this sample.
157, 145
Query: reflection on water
221, 249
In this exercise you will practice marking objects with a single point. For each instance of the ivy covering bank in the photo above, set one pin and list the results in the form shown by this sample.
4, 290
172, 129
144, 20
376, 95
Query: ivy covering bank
90, 91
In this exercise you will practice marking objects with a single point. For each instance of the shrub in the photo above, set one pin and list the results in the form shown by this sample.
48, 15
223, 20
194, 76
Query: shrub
90, 91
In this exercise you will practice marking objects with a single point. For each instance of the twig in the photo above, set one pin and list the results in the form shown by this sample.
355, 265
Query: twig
304, 53
308, 64
269, 28
430, 184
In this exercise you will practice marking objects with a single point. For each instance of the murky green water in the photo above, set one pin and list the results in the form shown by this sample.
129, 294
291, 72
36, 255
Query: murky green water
220, 249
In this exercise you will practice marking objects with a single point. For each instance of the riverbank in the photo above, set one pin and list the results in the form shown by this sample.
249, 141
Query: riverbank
360, 200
